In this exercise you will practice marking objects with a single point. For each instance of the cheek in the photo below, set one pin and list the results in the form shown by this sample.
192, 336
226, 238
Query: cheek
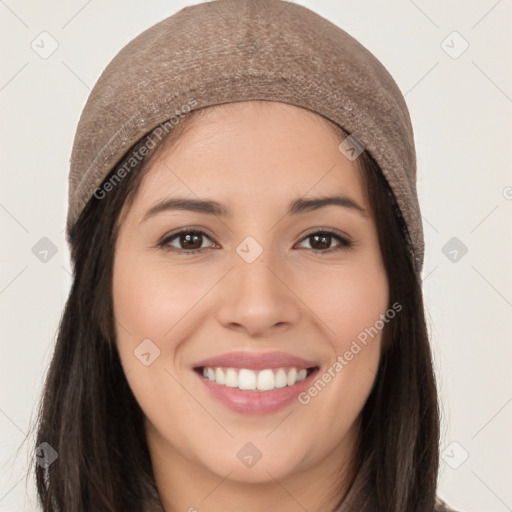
350, 310
150, 300
350, 304
349, 301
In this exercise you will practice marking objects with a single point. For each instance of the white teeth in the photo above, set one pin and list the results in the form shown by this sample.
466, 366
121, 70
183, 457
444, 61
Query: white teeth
219, 376
291, 379
280, 379
301, 375
265, 380
262, 380
231, 378
246, 379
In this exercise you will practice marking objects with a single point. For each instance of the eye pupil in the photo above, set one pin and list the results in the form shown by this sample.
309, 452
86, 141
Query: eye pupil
188, 237
324, 244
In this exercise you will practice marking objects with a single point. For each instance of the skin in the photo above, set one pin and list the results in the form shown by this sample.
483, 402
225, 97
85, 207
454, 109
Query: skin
256, 157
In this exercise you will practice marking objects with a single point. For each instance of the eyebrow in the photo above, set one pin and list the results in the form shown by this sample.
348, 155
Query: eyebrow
210, 207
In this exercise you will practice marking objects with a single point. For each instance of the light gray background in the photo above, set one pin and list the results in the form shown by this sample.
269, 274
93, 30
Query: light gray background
461, 111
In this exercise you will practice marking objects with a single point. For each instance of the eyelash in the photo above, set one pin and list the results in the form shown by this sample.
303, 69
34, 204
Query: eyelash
345, 243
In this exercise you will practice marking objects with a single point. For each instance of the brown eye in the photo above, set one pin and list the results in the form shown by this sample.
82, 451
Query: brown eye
187, 241
320, 241
190, 241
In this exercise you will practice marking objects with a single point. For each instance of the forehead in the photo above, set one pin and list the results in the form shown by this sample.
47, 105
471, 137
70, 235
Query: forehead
267, 151
239, 113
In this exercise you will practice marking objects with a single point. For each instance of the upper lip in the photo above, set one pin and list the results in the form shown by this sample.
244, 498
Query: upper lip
256, 361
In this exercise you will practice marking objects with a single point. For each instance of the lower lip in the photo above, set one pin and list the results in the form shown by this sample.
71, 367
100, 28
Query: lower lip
257, 402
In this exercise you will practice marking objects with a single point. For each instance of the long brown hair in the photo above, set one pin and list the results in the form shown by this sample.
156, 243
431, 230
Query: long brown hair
90, 417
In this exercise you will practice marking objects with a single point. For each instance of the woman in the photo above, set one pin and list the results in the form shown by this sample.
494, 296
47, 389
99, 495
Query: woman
245, 329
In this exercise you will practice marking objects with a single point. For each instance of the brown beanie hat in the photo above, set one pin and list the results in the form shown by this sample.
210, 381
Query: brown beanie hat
225, 51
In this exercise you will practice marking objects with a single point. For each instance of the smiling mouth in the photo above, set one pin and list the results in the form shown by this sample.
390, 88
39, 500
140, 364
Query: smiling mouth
246, 379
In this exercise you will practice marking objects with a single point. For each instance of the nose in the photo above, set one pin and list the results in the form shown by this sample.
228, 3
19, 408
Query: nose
258, 297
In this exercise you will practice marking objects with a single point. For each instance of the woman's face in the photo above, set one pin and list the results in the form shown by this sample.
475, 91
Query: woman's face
256, 306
